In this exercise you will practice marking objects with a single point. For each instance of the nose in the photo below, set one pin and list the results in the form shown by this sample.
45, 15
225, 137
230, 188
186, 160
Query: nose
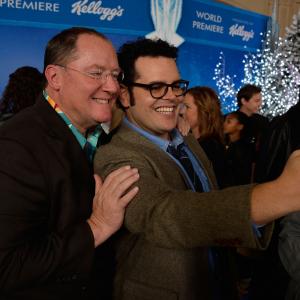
170, 94
109, 84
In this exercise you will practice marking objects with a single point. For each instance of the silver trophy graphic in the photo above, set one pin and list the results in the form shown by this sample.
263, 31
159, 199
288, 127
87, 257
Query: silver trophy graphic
166, 15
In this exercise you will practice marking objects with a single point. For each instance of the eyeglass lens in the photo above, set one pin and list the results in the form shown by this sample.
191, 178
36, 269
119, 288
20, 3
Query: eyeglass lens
159, 90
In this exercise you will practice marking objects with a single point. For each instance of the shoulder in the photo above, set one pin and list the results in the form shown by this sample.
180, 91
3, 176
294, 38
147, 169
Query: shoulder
126, 147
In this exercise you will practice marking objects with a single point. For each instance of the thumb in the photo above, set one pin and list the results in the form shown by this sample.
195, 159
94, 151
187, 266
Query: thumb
98, 183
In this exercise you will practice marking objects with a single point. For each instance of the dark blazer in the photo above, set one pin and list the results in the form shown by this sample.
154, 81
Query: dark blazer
160, 252
270, 278
46, 185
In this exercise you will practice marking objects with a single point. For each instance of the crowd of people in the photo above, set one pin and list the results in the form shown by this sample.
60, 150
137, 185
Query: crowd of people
118, 181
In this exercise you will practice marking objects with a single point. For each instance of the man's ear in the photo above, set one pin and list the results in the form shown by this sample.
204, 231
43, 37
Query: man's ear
124, 97
244, 101
53, 76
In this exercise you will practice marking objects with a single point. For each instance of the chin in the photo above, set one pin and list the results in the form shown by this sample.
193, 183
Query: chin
104, 118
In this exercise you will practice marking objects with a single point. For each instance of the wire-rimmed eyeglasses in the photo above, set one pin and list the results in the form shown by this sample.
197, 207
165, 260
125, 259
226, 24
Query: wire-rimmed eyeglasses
99, 74
159, 89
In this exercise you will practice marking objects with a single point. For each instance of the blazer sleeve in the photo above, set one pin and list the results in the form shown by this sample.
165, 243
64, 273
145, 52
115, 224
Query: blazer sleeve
32, 252
171, 216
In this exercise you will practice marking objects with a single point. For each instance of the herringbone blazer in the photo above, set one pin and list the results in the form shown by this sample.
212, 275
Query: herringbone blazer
161, 249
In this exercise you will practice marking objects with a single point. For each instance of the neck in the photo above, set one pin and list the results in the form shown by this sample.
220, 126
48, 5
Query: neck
246, 111
55, 97
196, 132
233, 137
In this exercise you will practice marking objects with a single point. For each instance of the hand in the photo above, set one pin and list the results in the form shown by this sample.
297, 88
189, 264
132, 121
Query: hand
110, 200
274, 199
182, 123
290, 177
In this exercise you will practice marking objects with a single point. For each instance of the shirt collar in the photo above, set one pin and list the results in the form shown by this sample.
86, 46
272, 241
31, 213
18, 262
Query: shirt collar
92, 136
176, 137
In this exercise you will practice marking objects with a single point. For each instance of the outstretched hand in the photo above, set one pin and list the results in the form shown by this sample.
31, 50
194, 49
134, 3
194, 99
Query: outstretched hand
277, 198
290, 177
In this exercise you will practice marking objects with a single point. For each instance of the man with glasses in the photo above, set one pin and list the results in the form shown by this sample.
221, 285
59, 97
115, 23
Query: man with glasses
54, 214
161, 251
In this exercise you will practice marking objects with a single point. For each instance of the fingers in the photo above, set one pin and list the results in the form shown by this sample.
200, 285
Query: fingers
129, 196
98, 183
120, 180
123, 182
296, 153
116, 173
122, 189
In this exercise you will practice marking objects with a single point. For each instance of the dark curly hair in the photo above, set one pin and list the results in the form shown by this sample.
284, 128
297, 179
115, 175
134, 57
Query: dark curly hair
131, 51
142, 47
23, 87
246, 92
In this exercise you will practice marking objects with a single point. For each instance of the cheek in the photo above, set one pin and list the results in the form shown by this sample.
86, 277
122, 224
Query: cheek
193, 117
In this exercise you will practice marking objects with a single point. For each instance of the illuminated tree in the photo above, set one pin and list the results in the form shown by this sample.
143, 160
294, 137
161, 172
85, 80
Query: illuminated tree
291, 48
275, 69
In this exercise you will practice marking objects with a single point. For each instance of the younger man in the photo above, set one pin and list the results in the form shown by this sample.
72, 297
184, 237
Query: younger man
249, 101
161, 251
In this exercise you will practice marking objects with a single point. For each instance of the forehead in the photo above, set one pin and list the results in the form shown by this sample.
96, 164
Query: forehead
256, 96
159, 68
92, 49
188, 98
231, 118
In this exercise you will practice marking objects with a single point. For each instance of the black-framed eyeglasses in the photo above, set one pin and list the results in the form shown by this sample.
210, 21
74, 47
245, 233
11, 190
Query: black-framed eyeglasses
99, 74
159, 89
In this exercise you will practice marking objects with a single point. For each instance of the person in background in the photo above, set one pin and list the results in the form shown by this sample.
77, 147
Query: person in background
238, 150
249, 101
203, 112
55, 214
162, 249
239, 166
276, 271
21, 91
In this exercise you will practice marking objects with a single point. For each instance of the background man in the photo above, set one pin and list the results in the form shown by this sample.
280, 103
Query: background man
52, 215
270, 278
249, 101
161, 250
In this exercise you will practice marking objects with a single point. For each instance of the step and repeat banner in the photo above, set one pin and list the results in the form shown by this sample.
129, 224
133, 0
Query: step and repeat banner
200, 28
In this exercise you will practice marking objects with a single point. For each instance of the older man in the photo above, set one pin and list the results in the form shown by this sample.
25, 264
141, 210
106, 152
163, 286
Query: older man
52, 215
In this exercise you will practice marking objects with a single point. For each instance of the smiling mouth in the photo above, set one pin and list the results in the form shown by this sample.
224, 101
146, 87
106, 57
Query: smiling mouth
165, 109
101, 101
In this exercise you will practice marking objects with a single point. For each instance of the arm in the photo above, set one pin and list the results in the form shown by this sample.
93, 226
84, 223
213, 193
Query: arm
289, 245
169, 215
279, 197
44, 234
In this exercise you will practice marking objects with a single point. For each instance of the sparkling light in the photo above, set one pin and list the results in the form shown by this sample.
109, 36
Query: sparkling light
274, 69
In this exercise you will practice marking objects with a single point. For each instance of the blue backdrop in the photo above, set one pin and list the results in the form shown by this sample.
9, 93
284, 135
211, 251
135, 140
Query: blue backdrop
200, 28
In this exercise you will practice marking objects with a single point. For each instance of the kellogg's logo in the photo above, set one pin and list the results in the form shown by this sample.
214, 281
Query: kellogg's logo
95, 8
239, 30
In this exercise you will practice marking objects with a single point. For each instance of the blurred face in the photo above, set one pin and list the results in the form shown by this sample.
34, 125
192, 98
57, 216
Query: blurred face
157, 116
232, 125
191, 113
84, 96
253, 105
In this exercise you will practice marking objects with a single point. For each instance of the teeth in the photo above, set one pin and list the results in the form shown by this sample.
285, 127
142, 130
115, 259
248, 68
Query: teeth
165, 110
101, 101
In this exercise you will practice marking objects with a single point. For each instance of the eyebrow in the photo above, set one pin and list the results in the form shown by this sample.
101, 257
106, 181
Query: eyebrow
96, 66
